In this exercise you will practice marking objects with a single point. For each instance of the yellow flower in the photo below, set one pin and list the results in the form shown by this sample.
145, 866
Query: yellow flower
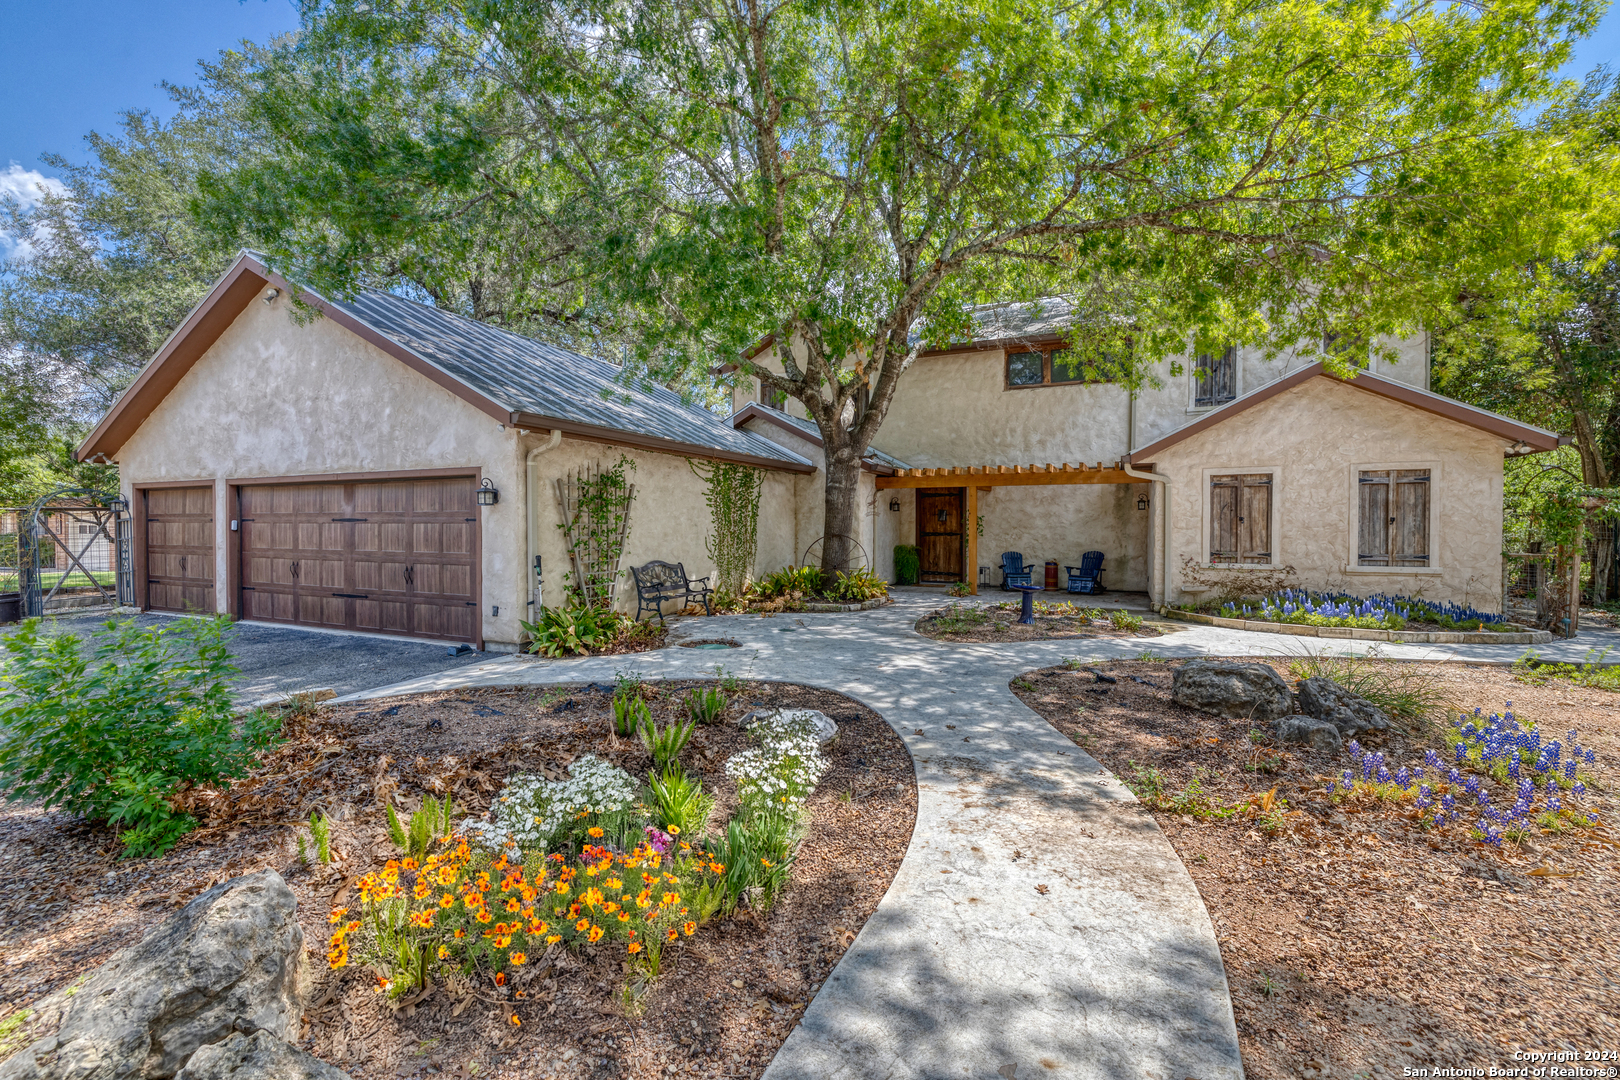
595, 935
614, 883
552, 939
517, 959
634, 947
674, 830
446, 900
444, 952
594, 832
583, 925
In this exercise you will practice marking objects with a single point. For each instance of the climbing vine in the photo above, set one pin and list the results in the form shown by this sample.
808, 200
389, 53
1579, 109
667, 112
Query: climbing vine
733, 498
595, 505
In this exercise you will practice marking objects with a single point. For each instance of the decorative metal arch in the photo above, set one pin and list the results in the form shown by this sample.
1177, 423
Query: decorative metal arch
106, 511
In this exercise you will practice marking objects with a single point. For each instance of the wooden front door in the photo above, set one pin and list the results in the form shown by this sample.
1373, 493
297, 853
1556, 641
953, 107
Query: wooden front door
180, 549
939, 533
387, 556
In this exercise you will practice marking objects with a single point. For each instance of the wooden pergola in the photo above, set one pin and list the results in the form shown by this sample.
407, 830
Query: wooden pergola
973, 479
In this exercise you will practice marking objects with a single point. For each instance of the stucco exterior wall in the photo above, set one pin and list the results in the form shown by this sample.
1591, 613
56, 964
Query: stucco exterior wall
1314, 439
669, 519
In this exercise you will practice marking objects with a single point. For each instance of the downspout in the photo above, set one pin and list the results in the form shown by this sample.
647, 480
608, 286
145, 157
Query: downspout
1169, 547
532, 509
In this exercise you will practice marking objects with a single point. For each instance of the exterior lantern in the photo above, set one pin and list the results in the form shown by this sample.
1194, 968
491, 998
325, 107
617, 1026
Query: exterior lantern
894, 504
487, 495
118, 504
1141, 502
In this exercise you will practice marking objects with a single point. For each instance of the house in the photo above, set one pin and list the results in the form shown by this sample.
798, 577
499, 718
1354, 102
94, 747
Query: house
1225, 468
326, 472
391, 468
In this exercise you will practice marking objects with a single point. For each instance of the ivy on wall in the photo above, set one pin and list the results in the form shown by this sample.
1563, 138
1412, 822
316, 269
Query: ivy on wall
733, 496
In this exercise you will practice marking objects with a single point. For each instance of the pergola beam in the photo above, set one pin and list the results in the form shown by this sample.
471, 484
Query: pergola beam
992, 476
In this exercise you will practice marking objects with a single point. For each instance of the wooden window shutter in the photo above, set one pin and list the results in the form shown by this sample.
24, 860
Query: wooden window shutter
1394, 518
1217, 378
1240, 519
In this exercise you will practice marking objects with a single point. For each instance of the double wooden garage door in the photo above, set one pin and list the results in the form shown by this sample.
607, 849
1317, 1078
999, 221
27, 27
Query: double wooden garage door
391, 556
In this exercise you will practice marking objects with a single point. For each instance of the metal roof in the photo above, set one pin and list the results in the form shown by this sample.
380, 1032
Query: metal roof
534, 378
1032, 320
812, 433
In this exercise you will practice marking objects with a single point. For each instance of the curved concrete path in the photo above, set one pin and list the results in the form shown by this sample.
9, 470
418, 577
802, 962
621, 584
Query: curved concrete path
1040, 923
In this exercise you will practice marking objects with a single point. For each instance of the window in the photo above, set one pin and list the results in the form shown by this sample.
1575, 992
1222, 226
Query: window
1240, 519
1054, 367
772, 399
1394, 516
1215, 378
1352, 347
1025, 369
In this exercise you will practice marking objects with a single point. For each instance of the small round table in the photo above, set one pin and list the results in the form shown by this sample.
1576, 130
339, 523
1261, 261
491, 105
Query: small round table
1029, 592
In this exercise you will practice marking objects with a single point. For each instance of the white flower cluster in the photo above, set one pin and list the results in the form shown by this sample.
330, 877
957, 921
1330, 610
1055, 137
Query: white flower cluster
783, 772
531, 811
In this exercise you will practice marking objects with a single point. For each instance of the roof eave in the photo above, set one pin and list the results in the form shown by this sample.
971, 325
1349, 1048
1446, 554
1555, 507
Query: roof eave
755, 411
597, 433
1538, 439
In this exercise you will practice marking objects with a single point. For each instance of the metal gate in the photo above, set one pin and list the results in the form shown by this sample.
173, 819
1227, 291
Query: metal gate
74, 541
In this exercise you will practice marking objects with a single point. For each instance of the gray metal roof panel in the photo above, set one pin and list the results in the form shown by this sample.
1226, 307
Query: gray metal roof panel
529, 376
814, 434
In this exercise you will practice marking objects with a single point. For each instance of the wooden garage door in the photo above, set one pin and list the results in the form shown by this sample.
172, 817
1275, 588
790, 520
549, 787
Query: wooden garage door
391, 556
180, 549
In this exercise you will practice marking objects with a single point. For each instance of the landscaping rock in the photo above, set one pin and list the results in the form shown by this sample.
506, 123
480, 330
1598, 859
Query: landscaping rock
1240, 691
1327, 700
825, 730
260, 1056
1317, 734
226, 962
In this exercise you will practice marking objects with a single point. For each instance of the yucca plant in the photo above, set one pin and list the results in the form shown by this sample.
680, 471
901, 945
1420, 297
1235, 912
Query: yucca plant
705, 706
629, 714
664, 744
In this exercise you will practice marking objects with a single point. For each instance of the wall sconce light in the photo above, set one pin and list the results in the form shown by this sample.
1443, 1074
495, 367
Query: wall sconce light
894, 504
270, 297
487, 495
1141, 502
118, 504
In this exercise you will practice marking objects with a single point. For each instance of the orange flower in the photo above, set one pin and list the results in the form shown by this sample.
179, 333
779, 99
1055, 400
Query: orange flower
423, 919
407, 864
595, 935
515, 1021
615, 883
583, 925
690, 928
673, 934
517, 959
484, 915
634, 947
513, 906
446, 900
444, 952
552, 939
624, 916
500, 978
536, 926
594, 832
337, 913
674, 830
460, 933
670, 899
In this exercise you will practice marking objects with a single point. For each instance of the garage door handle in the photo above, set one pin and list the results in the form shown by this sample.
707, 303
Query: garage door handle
353, 595
351, 519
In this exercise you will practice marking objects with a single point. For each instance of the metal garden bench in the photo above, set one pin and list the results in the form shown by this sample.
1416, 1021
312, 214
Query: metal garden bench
657, 583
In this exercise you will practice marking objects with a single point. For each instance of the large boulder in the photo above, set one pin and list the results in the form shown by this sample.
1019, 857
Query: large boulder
1240, 691
226, 962
1308, 731
1351, 714
260, 1056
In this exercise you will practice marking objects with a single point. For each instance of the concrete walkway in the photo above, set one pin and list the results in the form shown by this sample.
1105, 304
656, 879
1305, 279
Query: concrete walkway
1040, 923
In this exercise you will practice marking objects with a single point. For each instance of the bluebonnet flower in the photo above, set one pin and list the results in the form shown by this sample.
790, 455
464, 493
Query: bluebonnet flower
1449, 802
1383, 775
1454, 776
1432, 759
1462, 753
1355, 750
1590, 757
1554, 804
1578, 789
1403, 777
1569, 770
1349, 780
1513, 767
1333, 786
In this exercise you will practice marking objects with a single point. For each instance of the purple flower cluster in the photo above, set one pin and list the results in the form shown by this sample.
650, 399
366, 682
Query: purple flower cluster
1287, 602
1505, 749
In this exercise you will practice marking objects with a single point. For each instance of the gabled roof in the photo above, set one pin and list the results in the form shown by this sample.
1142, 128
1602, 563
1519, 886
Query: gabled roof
514, 379
874, 460
1501, 426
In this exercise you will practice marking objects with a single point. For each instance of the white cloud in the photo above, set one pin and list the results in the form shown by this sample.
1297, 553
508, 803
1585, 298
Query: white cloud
27, 186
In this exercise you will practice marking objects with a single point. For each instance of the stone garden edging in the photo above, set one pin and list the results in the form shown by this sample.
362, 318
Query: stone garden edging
830, 609
1415, 637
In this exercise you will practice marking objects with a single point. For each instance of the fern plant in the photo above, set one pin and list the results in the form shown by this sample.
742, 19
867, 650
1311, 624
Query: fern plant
629, 714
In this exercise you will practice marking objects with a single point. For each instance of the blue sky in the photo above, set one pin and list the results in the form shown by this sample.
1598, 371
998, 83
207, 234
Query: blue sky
71, 66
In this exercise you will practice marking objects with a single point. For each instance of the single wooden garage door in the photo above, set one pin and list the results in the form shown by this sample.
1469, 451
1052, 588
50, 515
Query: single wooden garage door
180, 549
390, 556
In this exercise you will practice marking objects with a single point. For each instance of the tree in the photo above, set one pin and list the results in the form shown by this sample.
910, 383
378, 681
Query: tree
114, 264
848, 178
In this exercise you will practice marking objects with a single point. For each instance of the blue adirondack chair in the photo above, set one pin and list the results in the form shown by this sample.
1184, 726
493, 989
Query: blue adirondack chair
1085, 577
1014, 571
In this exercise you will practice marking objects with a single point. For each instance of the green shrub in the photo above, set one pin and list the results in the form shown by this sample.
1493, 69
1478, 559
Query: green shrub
792, 582
1124, 620
629, 713
571, 630
706, 706
907, 564
320, 829
858, 586
113, 727
664, 744
679, 802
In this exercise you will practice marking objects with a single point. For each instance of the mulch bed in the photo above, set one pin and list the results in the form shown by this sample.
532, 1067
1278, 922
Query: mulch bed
999, 622
1351, 938
728, 996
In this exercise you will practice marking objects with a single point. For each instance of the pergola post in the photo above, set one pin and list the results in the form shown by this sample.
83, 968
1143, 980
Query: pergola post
972, 527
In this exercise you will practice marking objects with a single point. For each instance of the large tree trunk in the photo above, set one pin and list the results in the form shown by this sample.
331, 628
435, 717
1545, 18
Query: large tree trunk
842, 516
